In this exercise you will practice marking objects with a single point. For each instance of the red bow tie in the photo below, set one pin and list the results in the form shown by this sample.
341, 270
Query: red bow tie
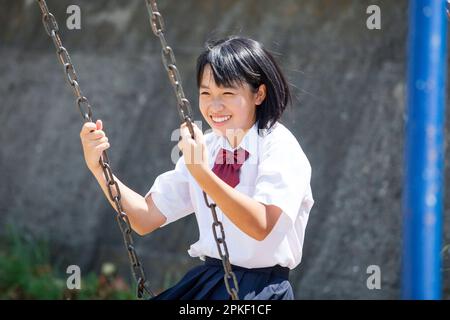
228, 165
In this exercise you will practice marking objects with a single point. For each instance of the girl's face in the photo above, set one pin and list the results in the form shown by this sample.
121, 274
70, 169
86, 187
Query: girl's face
229, 111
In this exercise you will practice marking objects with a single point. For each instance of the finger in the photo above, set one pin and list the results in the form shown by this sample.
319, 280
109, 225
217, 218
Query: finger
183, 129
194, 126
99, 124
96, 135
102, 140
102, 146
196, 129
87, 127
185, 124
185, 133
95, 143
198, 134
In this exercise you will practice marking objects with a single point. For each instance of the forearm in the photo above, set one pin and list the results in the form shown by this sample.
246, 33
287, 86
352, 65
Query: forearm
252, 217
246, 213
133, 204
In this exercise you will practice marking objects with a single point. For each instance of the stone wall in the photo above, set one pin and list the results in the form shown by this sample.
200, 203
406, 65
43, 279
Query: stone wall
349, 87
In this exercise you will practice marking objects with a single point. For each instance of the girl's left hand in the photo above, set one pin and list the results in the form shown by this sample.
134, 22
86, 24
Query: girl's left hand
194, 151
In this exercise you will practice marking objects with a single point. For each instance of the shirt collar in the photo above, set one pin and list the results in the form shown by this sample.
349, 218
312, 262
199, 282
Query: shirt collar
249, 142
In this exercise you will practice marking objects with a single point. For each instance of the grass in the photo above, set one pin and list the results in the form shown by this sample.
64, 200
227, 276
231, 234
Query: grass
27, 273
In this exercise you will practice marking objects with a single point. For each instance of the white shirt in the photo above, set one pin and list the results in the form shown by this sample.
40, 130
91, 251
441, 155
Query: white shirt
277, 172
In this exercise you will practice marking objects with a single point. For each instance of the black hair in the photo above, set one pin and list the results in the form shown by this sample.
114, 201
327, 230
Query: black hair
237, 60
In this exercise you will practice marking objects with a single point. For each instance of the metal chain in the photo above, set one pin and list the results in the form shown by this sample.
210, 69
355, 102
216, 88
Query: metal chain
184, 108
51, 27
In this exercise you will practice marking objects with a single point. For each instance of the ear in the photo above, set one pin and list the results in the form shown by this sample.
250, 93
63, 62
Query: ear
260, 94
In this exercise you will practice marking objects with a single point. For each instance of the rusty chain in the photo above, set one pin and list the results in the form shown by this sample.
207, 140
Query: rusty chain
51, 27
184, 109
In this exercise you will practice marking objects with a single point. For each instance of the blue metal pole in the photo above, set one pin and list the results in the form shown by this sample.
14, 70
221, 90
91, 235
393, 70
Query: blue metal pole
424, 150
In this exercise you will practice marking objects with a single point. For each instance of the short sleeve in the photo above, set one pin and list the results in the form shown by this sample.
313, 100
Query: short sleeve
170, 193
283, 178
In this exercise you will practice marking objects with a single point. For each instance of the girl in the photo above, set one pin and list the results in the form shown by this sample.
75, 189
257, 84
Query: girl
250, 165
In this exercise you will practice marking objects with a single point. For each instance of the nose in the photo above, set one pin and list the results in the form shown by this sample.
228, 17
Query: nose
216, 105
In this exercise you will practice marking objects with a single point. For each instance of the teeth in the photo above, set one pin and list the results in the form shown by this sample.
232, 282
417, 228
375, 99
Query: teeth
220, 119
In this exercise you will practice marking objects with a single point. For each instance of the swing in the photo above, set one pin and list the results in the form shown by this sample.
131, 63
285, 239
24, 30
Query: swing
184, 110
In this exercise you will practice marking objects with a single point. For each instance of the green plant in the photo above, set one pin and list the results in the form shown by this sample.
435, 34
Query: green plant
446, 258
27, 273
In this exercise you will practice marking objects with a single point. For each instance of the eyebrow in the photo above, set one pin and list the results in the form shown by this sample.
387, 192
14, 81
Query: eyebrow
202, 86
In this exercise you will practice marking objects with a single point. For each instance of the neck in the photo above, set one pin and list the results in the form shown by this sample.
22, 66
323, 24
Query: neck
235, 136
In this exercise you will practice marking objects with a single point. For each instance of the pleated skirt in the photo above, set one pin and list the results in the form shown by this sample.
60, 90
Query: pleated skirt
206, 282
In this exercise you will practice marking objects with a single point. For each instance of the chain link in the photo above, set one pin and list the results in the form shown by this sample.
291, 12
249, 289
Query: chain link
51, 27
169, 62
184, 109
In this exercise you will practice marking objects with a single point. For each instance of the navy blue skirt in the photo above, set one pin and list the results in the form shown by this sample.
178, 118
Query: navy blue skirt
205, 282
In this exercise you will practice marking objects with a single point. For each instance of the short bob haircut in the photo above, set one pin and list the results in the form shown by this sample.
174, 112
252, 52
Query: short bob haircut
234, 60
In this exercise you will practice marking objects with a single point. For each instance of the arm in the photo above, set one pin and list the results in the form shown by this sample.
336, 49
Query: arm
142, 213
252, 217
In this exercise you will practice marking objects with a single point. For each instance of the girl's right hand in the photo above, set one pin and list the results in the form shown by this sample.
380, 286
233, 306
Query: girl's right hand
94, 142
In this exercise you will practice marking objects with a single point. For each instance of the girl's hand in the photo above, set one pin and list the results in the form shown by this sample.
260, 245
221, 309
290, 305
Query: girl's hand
194, 151
94, 142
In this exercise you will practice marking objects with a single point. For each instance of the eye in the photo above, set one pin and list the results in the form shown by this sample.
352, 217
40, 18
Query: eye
228, 93
204, 93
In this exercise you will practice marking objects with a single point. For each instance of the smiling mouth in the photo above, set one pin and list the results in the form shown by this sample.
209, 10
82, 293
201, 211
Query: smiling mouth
219, 120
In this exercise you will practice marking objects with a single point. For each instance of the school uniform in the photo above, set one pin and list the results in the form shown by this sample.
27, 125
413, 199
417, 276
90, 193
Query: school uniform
276, 172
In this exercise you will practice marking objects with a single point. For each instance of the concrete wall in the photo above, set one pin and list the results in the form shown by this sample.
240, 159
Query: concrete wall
349, 86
